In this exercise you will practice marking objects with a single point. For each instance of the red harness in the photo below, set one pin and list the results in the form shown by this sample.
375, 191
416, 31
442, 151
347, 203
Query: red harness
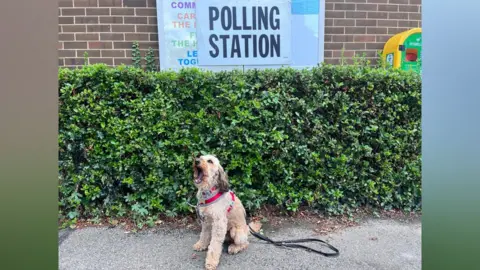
216, 196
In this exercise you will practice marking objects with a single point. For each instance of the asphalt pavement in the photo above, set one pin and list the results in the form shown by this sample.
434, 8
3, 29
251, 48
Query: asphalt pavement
374, 244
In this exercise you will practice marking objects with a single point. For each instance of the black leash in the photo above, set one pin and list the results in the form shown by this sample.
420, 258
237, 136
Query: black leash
293, 244
287, 243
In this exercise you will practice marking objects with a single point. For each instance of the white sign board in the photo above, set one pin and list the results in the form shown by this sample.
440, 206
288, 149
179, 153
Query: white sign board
178, 41
247, 32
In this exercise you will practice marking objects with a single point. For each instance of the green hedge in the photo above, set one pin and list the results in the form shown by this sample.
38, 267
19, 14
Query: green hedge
332, 138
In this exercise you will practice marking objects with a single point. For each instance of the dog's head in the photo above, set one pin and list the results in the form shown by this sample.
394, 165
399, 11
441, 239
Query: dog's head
208, 172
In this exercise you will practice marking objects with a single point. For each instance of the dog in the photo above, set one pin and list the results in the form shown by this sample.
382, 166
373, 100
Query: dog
222, 214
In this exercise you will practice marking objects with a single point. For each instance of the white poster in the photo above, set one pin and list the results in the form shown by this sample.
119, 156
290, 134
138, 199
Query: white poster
247, 32
178, 42
176, 34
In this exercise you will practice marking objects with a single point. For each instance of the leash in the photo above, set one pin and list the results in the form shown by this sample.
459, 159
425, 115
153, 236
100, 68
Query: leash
293, 244
285, 243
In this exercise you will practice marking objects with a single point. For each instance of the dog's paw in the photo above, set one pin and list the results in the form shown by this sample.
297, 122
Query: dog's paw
234, 249
210, 267
199, 247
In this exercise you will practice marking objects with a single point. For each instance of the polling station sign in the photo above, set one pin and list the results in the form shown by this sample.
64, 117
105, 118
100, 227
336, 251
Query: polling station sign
247, 32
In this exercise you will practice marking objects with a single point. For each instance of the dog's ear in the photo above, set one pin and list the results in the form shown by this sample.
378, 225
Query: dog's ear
222, 180
194, 167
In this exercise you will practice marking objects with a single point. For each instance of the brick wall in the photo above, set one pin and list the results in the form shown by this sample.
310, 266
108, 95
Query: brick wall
106, 28
361, 27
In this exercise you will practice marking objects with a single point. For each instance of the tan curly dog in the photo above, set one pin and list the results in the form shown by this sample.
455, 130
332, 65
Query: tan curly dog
221, 212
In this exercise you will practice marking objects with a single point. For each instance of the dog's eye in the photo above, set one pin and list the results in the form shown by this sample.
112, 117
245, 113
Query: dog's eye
210, 161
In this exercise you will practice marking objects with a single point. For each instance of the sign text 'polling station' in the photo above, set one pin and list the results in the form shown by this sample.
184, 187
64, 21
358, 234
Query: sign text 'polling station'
243, 32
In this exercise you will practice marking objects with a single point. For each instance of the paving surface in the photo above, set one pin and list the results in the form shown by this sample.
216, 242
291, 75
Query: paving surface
375, 244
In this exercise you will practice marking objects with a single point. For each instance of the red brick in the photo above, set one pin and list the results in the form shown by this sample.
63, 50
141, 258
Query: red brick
91, 53
112, 36
86, 20
408, 8
366, 22
98, 28
73, 11
107, 61
65, 20
326, 38
334, 14
415, 16
415, 2
59, 45
74, 45
73, 28
122, 11
342, 38
134, 3
367, 7
354, 46
67, 53
152, 20
356, 14
328, 22
100, 45
332, 61
389, 8
111, 20
394, 30
364, 38
146, 28
343, 22
375, 46
85, 3
151, 3
137, 37
110, 3
377, 15
398, 16
382, 39
327, 54
409, 24
135, 20
378, 1
65, 3
97, 11
403, 2
113, 53
333, 46
66, 37
377, 30
123, 45
154, 37
123, 28
334, 30
387, 23
355, 1
146, 12
86, 37
355, 30
340, 6
329, 6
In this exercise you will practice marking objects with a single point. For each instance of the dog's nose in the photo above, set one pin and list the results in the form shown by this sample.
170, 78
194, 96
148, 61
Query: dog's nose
197, 161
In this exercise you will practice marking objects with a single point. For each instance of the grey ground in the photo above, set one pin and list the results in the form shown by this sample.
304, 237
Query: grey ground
375, 244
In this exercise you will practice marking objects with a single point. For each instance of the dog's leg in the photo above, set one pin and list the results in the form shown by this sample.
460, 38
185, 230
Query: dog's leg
219, 229
205, 237
240, 238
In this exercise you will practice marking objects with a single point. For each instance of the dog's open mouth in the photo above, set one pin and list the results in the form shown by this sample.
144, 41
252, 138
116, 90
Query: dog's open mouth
199, 178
